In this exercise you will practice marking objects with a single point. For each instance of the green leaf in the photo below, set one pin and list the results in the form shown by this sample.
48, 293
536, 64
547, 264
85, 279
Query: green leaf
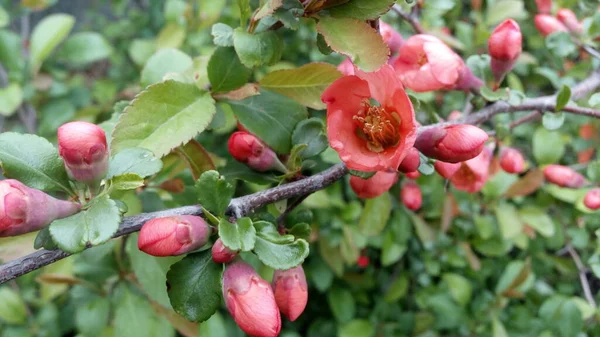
195, 286
140, 51
179, 112
225, 71
10, 52
560, 44
127, 181
84, 48
508, 220
271, 117
238, 236
151, 271
222, 35
196, 158
548, 146
375, 215
355, 39
135, 160
165, 61
278, 251
134, 317
289, 14
501, 10
257, 49
92, 317
12, 307
323, 46
214, 192
563, 97
392, 251
33, 161
93, 226
498, 329
553, 120
269, 7
312, 133
571, 320
513, 276
460, 287
593, 171
245, 11
594, 101
493, 96
342, 304
537, 219
305, 84
11, 98
4, 18
362, 9
397, 290
47, 35
357, 328
171, 36
361, 174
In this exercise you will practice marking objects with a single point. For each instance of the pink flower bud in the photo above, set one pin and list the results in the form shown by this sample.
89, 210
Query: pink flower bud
446, 170
453, 143
592, 199
455, 115
24, 209
505, 46
563, 176
222, 254
173, 235
83, 147
411, 161
374, 186
473, 173
390, 36
544, 6
248, 149
511, 160
411, 196
413, 175
569, 19
291, 291
250, 301
547, 24
467, 80
363, 261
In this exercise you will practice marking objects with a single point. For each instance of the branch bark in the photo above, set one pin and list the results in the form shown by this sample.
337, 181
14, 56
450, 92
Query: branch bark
238, 207
582, 276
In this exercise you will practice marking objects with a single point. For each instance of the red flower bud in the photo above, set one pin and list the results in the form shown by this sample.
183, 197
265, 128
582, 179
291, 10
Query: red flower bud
411, 161
592, 199
413, 175
291, 291
453, 143
83, 147
222, 254
547, 24
248, 149
446, 170
250, 301
374, 186
24, 209
390, 36
411, 196
173, 235
563, 176
505, 46
363, 261
569, 19
544, 6
511, 160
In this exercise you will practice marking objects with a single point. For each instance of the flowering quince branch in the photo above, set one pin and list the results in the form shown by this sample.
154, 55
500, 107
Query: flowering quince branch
239, 207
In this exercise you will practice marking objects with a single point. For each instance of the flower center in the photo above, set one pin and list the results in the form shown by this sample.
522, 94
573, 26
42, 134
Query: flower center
380, 128
422, 59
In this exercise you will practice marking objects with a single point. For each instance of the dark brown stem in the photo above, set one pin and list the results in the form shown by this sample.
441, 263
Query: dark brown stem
411, 18
582, 275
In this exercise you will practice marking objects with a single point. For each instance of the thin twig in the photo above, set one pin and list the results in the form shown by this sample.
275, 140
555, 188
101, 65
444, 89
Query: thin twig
582, 277
412, 19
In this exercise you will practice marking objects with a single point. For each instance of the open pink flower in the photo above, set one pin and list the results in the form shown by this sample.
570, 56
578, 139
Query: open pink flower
367, 136
473, 173
426, 63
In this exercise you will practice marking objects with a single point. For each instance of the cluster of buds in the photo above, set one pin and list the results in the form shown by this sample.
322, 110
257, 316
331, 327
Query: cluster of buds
564, 21
255, 304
